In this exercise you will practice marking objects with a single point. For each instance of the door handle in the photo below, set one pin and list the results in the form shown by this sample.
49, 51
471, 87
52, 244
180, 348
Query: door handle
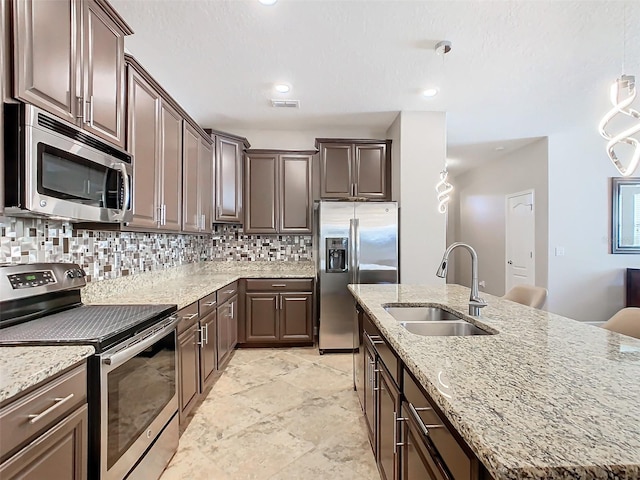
127, 192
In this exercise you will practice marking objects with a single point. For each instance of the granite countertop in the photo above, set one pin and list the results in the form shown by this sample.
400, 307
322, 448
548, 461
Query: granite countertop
23, 367
546, 397
188, 283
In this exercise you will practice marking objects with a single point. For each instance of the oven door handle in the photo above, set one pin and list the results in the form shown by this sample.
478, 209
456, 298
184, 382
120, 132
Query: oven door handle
124, 355
127, 193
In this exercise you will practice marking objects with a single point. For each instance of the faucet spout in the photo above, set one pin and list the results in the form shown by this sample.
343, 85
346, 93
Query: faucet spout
475, 302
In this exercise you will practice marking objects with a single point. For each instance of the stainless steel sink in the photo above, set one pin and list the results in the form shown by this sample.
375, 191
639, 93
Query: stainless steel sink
420, 314
448, 329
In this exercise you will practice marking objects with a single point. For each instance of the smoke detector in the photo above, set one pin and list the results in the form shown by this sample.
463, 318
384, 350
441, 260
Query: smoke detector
285, 103
443, 47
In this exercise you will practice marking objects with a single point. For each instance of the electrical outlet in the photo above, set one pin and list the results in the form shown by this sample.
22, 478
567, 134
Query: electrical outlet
559, 251
482, 284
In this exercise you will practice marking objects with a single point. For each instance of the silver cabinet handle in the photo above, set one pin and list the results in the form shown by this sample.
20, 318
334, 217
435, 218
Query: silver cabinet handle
232, 313
189, 317
210, 304
219, 210
80, 108
281, 302
164, 214
159, 220
424, 428
206, 333
397, 419
229, 291
34, 417
278, 284
91, 109
200, 333
85, 115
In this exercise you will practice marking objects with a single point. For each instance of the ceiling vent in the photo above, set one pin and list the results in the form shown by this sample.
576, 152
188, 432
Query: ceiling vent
285, 103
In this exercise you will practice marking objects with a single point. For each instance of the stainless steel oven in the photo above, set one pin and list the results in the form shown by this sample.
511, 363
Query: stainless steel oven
139, 398
132, 377
53, 168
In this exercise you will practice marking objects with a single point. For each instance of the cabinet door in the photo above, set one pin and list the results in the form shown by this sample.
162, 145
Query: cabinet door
295, 205
190, 151
103, 65
233, 323
228, 181
388, 408
142, 141
336, 178
417, 461
208, 350
188, 369
171, 161
205, 184
371, 171
261, 317
370, 380
47, 39
222, 334
295, 317
59, 453
261, 202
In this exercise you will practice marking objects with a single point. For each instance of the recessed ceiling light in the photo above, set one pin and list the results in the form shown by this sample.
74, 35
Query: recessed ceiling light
430, 92
282, 87
268, 2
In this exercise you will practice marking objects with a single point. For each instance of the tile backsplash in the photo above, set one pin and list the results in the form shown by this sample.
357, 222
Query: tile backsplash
106, 255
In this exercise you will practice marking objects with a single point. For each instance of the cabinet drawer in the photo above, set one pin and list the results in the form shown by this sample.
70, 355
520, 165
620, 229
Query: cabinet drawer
279, 284
188, 316
208, 304
225, 293
33, 413
461, 465
382, 348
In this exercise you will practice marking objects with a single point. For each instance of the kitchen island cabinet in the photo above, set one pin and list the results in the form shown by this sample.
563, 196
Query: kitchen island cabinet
472, 405
69, 60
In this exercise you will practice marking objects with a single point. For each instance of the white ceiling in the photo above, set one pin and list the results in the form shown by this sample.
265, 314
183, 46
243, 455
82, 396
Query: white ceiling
518, 70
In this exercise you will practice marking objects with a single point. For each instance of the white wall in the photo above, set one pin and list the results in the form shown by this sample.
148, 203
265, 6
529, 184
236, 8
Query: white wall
477, 214
303, 139
419, 151
587, 283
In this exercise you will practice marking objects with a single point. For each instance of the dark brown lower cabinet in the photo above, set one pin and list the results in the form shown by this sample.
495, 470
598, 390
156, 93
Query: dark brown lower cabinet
279, 318
188, 369
387, 411
418, 459
227, 332
60, 453
208, 349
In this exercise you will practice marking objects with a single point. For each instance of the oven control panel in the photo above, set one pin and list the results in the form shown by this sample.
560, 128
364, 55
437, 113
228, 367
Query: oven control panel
31, 279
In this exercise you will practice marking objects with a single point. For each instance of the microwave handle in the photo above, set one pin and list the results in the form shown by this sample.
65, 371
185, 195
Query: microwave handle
127, 193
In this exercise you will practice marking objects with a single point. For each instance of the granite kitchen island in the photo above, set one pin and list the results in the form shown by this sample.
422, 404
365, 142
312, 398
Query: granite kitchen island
546, 397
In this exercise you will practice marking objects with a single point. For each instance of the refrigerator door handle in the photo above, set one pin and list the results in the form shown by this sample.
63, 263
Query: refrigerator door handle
352, 250
356, 250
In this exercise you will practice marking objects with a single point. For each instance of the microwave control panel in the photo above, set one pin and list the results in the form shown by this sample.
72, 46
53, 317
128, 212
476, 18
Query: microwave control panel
31, 279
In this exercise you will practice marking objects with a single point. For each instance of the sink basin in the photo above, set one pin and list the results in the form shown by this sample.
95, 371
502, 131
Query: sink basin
420, 314
460, 328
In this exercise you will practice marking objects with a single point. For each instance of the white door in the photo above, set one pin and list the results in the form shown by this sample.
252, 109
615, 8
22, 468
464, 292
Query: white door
520, 240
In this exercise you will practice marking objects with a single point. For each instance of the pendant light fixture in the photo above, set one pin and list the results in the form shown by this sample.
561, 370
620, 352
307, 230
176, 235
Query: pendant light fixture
622, 95
443, 189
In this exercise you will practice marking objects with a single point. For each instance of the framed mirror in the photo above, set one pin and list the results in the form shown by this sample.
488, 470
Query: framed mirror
625, 215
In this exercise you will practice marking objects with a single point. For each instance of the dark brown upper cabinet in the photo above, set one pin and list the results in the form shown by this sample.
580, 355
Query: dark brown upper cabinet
229, 150
278, 192
197, 161
172, 159
354, 169
69, 60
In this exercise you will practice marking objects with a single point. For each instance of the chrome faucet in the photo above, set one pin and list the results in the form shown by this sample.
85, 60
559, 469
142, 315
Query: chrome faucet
475, 302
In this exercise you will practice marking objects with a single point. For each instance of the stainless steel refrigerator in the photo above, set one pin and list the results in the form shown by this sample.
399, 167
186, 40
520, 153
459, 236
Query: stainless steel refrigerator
357, 243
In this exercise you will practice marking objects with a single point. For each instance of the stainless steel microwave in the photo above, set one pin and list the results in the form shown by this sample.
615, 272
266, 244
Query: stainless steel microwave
53, 168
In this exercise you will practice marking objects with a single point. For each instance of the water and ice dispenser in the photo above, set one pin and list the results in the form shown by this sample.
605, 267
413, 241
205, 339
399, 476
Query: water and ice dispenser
336, 249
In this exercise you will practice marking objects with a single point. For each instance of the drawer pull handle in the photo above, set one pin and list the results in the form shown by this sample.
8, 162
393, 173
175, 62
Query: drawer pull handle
278, 284
210, 304
189, 317
33, 418
422, 409
229, 291
424, 428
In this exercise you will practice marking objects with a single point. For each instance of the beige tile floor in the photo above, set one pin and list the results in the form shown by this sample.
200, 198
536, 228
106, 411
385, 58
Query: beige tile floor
278, 414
